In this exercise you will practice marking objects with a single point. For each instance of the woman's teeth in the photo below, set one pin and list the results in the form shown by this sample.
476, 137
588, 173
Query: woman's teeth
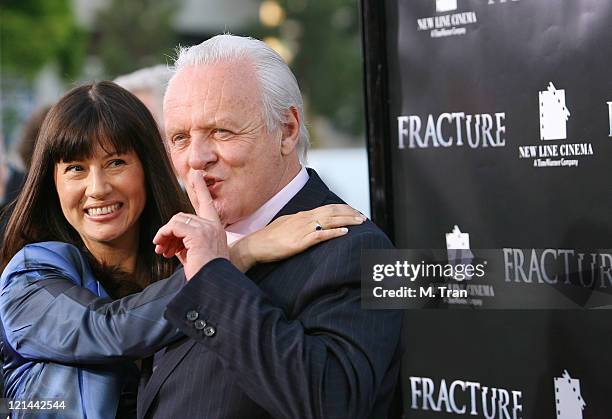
103, 210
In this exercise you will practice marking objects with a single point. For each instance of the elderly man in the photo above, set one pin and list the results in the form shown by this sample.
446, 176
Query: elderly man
288, 339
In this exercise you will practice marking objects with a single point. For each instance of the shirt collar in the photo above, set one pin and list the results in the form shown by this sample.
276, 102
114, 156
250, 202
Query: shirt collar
264, 214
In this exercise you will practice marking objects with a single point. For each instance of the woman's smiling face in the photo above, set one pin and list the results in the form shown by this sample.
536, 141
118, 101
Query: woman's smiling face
102, 196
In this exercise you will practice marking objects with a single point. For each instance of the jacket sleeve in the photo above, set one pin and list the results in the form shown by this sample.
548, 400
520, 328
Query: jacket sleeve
327, 361
47, 316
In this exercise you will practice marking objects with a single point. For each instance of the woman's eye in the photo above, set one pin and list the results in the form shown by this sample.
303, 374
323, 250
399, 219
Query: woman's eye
117, 162
73, 168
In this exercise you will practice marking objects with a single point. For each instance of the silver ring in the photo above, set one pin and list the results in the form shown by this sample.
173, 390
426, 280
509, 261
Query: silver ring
188, 220
318, 226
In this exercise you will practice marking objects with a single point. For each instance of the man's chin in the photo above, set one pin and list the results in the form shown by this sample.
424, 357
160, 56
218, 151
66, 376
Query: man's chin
227, 213
221, 211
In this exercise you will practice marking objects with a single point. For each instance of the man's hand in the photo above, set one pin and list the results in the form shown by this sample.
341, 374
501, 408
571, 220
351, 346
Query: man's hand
194, 239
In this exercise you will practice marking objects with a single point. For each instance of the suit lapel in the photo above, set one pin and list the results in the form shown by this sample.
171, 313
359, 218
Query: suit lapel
168, 363
312, 195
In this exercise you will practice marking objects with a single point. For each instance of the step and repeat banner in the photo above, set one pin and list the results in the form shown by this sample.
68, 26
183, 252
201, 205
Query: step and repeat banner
490, 127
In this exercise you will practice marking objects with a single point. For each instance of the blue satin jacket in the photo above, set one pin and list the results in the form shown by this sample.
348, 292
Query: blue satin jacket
64, 339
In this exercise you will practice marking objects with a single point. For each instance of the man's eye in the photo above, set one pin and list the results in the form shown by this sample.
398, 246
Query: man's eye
178, 138
221, 134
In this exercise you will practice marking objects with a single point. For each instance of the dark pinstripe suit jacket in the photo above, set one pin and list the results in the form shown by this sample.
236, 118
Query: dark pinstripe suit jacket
288, 340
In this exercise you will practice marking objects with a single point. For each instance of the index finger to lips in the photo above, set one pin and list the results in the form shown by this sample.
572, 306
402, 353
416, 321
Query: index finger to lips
200, 196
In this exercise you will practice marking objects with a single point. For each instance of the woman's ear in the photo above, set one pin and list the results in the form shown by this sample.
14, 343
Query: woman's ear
291, 131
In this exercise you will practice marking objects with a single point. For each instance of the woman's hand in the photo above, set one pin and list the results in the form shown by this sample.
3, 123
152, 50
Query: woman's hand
292, 234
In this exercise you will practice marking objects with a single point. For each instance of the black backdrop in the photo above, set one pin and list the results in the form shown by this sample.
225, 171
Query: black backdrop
435, 60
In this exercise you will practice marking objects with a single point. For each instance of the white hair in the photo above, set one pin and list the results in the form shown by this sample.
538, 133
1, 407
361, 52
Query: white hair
153, 80
279, 87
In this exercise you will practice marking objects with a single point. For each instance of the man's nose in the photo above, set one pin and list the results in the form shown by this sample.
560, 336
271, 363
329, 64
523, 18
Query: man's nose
202, 153
99, 184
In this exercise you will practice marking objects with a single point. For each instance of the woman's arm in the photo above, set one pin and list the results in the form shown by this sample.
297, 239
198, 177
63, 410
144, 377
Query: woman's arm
292, 234
47, 316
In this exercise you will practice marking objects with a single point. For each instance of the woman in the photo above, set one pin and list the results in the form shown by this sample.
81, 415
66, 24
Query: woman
99, 188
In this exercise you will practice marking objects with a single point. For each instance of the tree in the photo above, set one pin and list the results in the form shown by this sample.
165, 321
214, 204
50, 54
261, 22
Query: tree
326, 41
36, 32
133, 34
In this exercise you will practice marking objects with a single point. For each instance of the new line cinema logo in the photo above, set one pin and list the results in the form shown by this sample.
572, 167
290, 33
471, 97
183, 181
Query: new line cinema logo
452, 24
447, 24
568, 400
554, 117
458, 251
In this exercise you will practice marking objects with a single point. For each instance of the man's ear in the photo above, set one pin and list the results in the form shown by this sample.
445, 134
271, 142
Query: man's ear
291, 131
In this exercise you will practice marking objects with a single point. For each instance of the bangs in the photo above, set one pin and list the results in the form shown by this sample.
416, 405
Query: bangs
87, 129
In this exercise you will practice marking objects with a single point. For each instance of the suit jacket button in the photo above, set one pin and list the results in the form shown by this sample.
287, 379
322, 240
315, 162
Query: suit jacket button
192, 315
209, 331
199, 324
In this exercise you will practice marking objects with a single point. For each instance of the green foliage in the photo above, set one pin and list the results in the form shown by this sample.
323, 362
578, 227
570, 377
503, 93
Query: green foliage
133, 34
327, 63
35, 32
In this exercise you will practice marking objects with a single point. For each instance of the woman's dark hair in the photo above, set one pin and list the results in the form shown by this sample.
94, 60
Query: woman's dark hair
105, 115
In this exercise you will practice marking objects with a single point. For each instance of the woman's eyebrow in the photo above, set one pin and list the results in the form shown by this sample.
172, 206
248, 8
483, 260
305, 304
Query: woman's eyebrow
111, 154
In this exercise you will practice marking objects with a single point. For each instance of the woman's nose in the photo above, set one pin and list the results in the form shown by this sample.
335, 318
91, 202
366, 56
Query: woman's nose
98, 184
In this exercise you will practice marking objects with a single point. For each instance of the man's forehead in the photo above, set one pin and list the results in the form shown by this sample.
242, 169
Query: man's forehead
216, 73
215, 85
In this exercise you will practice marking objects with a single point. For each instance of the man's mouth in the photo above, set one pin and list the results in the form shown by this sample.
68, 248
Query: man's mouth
97, 211
210, 180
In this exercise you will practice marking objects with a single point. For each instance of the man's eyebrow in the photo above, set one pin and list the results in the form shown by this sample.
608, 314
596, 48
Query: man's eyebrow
170, 131
226, 121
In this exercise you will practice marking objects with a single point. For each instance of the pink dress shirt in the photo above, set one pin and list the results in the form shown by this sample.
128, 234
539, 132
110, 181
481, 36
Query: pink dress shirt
264, 214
